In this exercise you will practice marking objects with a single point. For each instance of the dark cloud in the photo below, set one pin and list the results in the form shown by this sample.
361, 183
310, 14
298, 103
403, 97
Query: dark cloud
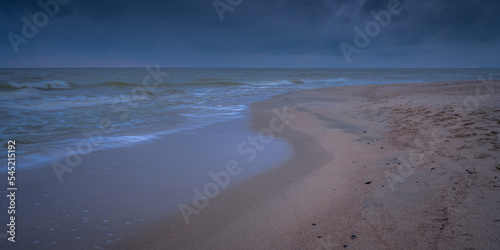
189, 33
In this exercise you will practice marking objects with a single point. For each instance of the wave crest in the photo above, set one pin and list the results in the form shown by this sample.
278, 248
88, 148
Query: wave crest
42, 85
19, 94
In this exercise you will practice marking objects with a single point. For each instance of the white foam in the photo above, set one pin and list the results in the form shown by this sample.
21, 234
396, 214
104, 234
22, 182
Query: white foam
19, 94
60, 103
42, 85
130, 139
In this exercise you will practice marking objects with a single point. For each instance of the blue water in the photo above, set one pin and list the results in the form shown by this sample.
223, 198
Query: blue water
48, 110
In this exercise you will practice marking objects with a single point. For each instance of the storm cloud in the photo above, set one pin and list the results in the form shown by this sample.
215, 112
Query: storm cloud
256, 33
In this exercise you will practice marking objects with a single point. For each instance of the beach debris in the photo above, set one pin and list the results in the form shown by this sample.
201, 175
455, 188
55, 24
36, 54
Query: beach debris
364, 132
345, 246
381, 147
314, 224
368, 182
433, 168
319, 237
353, 237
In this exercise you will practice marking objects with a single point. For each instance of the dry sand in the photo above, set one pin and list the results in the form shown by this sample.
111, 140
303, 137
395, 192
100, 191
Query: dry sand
399, 166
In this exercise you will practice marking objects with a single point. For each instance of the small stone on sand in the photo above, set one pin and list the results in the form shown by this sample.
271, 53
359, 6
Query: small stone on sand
353, 236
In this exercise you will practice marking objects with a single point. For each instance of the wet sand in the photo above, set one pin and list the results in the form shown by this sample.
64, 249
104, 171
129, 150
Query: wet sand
411, 166
116, 192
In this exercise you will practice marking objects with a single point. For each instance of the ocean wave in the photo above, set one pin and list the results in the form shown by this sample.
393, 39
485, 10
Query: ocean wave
213, 82
42, 85
333, 80
19, 94
205, 82
298, 81
174, 92
118, 84
279, 82
127, 140
5, 86
208, 79
73, 102
216, 84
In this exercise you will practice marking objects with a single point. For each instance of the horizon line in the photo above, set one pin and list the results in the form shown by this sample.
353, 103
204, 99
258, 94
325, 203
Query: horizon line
252, 67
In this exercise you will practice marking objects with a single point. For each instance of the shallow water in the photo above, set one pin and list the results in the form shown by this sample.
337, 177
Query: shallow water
48, 110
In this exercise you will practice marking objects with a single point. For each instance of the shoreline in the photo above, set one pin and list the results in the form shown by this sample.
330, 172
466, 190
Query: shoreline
371, 165
115, 192
374, 165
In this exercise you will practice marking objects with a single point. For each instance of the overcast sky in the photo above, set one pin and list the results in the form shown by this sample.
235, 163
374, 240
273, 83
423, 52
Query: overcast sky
256, 33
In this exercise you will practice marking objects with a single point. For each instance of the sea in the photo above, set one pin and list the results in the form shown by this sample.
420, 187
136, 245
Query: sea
48, 111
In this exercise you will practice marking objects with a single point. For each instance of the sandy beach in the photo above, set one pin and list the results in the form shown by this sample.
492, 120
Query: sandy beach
232, 124
393, 166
